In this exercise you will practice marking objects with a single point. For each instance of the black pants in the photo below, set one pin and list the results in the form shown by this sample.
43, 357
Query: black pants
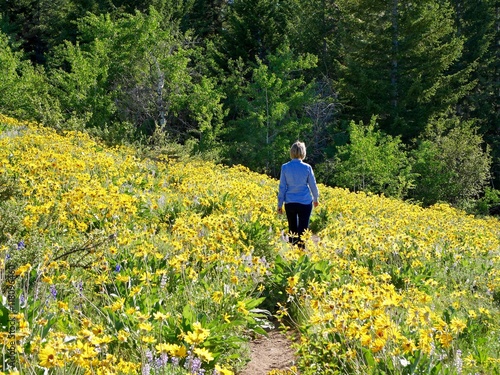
298, 216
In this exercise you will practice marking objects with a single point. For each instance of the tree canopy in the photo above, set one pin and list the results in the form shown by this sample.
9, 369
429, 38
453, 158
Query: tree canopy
244, 79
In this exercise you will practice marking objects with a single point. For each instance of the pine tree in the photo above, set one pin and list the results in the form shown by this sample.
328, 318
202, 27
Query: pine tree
479, 24
206, 18
270, 111
314, 29
396, 59
255, 28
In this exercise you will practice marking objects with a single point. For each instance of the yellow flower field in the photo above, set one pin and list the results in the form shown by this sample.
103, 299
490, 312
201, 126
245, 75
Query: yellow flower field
116, 264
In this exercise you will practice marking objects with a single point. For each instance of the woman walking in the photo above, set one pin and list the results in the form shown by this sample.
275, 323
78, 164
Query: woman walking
298, 192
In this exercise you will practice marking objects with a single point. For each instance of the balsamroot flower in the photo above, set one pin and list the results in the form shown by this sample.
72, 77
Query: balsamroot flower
197, 336
203, 354
47, 357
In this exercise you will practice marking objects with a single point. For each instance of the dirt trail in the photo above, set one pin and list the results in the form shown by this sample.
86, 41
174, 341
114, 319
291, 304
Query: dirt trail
269, 353
273, 352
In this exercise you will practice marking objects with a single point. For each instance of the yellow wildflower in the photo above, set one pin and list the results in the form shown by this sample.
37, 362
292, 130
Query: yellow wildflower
160, 316
198, 335
146, 326
457, 325
203, 354
223, 370
445, 339
62, 305
47, 279
47, 357
22, 270
117, 305
123, 278
135, 290
148, 339
174, 350
242, 308
162, 348
217, 296
123, 335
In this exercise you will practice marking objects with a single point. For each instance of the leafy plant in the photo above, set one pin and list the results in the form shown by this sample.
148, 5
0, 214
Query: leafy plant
373, 162
451, 163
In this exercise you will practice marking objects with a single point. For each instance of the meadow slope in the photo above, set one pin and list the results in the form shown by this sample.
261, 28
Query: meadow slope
116, 264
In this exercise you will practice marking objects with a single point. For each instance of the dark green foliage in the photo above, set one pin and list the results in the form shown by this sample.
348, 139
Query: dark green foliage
395, 60
255, 28
133, 71
316, 30
206, 18
23, 87
489, 204
479, 24
213, 75
451, 162
270, 109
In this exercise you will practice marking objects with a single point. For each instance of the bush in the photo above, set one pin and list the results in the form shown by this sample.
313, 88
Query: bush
373, 162
451, 163
489, 204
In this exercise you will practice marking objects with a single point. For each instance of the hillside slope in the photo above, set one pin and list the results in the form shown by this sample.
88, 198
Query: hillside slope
115, 264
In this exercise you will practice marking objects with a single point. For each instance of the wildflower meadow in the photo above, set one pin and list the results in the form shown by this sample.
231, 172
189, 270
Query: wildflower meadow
114, 263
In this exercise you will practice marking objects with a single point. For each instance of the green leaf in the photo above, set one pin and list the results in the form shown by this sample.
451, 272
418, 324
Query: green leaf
4, 316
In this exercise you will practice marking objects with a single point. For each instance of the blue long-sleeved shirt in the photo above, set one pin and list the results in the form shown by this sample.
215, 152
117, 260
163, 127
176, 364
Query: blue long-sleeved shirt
297, 183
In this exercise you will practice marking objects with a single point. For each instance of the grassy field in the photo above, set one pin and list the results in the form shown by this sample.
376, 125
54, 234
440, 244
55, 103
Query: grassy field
117, 264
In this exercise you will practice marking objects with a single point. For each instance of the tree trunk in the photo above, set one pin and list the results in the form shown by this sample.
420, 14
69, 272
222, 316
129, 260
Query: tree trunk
395, 49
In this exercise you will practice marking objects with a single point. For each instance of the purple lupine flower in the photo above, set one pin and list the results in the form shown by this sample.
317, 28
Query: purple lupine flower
118, 268
163, 282
146, 369
195, 365
79, 286
175, 361
53, 291
21, 245
459, 361
188, 360
149, 356
22, 299
162, 360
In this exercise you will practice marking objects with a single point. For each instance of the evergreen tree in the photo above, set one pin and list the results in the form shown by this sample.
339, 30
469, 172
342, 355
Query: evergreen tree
479, 24
255, 28
206, 18
396, 58
270, 111
314, 29
23, 19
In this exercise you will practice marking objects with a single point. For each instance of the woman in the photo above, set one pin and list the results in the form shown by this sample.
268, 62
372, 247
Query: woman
298, 191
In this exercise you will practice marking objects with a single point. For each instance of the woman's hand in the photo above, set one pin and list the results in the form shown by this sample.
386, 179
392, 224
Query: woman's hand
315, 204
280, 210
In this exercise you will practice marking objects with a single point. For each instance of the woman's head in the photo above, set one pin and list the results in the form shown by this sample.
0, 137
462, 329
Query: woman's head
298, 150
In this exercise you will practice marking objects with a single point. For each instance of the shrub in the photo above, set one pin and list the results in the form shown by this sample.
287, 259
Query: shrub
373, 162
451, 163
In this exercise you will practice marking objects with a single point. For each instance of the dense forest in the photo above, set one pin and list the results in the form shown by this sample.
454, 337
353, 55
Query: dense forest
400, 98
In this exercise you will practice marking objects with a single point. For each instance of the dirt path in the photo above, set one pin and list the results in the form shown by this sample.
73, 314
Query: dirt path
269, 353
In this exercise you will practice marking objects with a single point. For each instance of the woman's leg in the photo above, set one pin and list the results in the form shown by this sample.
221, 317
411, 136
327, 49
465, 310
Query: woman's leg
304, 214
292, 215
298, 216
